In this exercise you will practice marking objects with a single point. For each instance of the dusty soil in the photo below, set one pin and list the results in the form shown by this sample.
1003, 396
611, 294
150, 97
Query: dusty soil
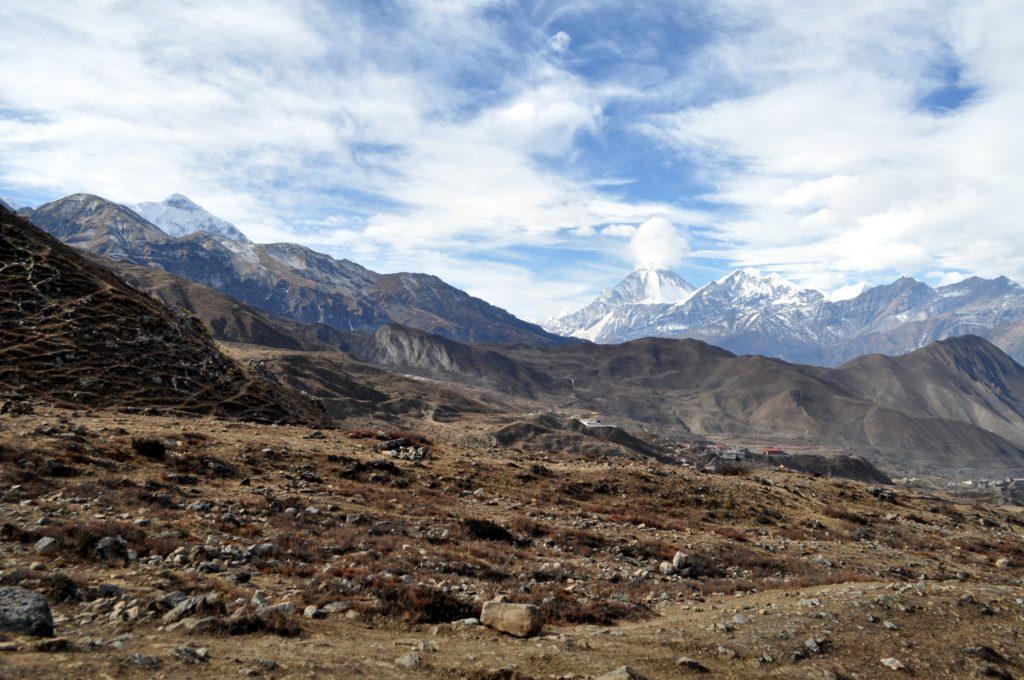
391, 547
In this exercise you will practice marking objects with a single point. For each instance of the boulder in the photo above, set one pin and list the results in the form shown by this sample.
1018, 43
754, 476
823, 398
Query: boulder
23, 611
521, 620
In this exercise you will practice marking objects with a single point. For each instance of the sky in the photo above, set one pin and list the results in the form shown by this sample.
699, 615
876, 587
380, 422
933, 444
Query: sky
533, 153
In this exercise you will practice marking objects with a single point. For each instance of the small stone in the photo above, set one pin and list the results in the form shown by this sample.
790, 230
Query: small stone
409, 660
691, 664
140, 660
112, 549
893, 663
47, 545
191, 654
622, 673
313, 612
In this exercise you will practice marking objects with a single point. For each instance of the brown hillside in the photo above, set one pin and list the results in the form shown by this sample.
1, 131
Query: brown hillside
73, 332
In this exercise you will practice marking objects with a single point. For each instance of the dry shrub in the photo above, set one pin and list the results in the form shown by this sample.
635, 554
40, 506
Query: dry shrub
732, 534
203, 465
486, 530
560, 606
416, 603
151, 448
251, 619
56, 587
846, 516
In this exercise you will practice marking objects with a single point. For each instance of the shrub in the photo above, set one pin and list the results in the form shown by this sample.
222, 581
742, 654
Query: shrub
250, 619
416, 603
154, 449
486, 530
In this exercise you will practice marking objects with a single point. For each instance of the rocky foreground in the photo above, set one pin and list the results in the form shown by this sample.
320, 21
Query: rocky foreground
153, 546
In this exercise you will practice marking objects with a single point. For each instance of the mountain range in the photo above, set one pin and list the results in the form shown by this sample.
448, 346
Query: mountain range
744, 312
285, 279
750, 313
953, 407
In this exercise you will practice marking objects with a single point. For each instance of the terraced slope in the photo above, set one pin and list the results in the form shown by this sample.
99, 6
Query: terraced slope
75, 333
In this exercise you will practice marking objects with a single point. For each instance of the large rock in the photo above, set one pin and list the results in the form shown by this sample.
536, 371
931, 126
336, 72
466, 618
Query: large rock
521, 620
23, 611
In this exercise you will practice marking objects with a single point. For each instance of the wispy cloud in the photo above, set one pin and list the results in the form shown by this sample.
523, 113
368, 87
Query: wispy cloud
834, 142
831, 159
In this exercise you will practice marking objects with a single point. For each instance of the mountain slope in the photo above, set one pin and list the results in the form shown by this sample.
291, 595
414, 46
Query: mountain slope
951, 406
965, 378
96, 225
690, 386
178, 216
75, 333
227, 319
287, 279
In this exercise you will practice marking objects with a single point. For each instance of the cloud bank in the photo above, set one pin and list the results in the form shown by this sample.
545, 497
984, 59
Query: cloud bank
833, 143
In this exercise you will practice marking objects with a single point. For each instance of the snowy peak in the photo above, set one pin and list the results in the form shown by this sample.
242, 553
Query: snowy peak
180, 216
750, 286
649, 286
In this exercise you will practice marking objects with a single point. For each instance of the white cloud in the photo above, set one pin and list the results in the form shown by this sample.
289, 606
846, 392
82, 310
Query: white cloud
657, 243
619, 230
949, 278
848, 292
290, 113
559, 42
833, 169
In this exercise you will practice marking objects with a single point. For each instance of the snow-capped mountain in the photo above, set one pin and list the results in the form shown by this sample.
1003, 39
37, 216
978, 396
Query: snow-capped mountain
750, 313
639, 293
285, 279
179, 216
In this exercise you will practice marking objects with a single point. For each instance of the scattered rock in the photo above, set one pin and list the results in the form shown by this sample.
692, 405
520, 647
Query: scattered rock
209, 603
623, 673
893, 663
112, 549
140, 660
47, 545
23, 611
409, 660
191, 654
692, 664
521, 620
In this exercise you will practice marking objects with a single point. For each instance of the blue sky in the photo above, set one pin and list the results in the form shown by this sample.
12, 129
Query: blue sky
535, 152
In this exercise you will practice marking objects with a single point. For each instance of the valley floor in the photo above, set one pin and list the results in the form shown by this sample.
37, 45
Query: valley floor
251, 550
